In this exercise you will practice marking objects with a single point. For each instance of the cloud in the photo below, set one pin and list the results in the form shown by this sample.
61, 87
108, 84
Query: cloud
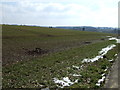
57, 12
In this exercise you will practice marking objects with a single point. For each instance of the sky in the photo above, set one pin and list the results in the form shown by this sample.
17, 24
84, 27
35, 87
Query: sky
98, 13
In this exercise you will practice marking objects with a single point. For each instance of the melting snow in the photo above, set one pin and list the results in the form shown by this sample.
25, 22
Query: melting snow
106, 69
103, 74
100, 80
75, 66
110, 60
105, 50
115, 54
65, 82
114, 38
76, 75
101, 54
118, 40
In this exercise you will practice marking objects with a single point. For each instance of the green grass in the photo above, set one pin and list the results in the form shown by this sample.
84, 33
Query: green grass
52, 39
93, 71
41, 70
66, 48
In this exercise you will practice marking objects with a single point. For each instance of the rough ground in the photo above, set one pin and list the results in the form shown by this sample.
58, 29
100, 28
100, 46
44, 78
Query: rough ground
112, 80
23, 56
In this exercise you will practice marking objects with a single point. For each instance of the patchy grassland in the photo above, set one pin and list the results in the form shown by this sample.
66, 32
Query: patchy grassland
65, 48
41, 71
15, 38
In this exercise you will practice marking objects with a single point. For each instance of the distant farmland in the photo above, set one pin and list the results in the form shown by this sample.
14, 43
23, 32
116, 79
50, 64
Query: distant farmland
37, 56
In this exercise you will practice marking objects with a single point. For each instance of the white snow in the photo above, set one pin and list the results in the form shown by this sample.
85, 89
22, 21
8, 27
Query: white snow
118, 40
105, 50
101, 53
114, 38
81, 66
65, 82
103, 74
76, 75
100, 80
66, 79
75, 66
106, 69
115, 54
110, 60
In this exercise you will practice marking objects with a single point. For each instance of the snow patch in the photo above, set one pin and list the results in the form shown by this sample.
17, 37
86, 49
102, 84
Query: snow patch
114, 38
76, 75
115, 55
101, 54
105, 50
105, 69
100, 81
110, 60
118, 40
65, 82
75, 67
103, 74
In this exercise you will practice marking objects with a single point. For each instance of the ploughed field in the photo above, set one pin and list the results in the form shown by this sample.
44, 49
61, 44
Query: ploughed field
54, 58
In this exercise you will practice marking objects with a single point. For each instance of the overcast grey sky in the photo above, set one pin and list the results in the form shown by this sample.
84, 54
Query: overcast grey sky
60, 12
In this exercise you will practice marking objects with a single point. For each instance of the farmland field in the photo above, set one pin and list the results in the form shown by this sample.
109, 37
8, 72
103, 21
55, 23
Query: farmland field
61, 53
18, 39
